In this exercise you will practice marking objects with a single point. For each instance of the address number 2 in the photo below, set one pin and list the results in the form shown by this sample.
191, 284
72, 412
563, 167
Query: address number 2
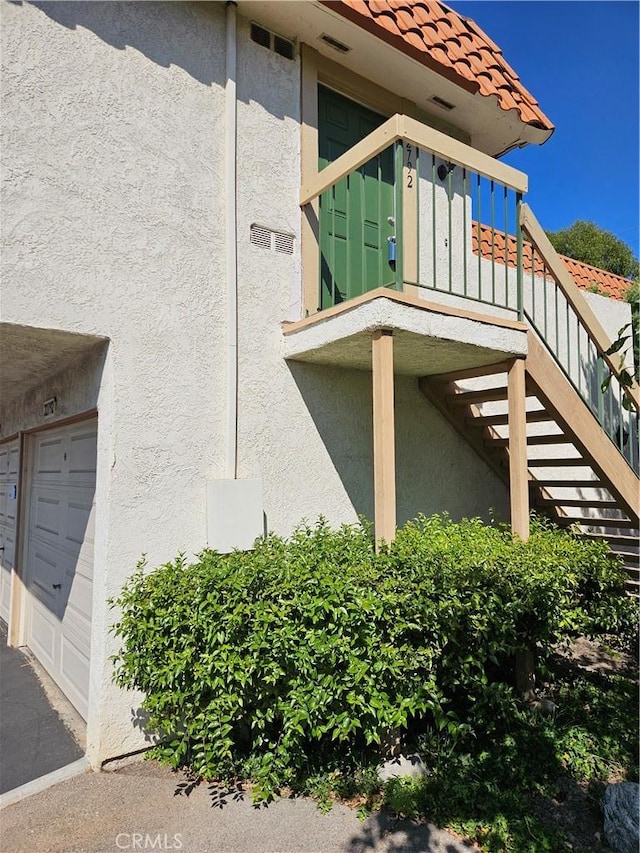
408, 162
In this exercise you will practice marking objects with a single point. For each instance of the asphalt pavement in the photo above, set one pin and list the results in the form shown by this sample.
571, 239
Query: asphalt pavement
34, 740
137, 808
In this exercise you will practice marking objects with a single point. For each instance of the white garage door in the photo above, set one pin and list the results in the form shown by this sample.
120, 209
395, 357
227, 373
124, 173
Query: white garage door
9, 454
60, 555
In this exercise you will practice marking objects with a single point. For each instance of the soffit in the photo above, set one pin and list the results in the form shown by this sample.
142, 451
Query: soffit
488, 127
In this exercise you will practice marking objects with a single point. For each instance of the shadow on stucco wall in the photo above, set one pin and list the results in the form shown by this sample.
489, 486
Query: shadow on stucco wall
436, 470
190, 36
161, 37
339, 402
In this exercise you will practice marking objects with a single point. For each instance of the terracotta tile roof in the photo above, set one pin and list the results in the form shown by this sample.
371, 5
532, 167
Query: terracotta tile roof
584, 275
450, 44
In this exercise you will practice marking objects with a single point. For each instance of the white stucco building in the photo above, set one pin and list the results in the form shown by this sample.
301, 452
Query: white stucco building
167, 382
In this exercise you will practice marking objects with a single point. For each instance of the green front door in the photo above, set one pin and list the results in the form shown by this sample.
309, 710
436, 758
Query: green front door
354, 214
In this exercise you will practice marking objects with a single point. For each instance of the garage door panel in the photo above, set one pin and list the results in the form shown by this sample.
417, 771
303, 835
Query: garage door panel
75, 666
9, 463
14, 461
8, 505
4, 500
46, 515
80, 522
63, 518
61, 545
49, 461
8, 542
43, 636
81, 461
78, 606
5, 596
9, 455
7, 561
47, 570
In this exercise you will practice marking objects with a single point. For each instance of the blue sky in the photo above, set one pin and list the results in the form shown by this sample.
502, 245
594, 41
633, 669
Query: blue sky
580, 61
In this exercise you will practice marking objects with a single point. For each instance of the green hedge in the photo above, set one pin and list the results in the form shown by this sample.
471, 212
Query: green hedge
308, 651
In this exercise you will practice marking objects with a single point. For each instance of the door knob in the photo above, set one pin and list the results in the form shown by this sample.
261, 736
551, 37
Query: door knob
57, 586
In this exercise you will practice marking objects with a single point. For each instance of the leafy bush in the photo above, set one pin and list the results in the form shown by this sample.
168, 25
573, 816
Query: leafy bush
486, 788
305, 656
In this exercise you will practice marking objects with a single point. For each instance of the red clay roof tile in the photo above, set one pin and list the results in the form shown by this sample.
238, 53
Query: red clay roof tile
449, 43
584, 275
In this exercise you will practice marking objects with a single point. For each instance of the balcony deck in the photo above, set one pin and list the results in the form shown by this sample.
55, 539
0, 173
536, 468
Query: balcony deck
429, 337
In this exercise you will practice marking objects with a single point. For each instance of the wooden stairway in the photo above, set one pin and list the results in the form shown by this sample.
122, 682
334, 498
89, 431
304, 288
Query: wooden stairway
577, 476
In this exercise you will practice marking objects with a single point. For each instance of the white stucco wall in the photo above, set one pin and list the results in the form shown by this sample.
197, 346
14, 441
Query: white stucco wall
112, 170
306, 430
113, 225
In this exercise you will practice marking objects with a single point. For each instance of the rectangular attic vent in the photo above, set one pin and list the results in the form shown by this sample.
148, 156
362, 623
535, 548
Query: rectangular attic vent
442, 103
266, 238
272, 41
334, 43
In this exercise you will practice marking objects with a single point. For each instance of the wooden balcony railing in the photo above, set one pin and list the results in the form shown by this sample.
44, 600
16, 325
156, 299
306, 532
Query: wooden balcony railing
437, 191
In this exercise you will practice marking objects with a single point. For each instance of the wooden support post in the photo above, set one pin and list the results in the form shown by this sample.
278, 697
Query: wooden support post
518, 472
384, 441
519, 495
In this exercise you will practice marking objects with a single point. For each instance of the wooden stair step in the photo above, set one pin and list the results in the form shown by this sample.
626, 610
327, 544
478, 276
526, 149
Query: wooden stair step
501, 441
577, 484
578, 502
596, 522
495, 369
628, 556
561, 462
553, 438
502, 419
617, 539
466, 398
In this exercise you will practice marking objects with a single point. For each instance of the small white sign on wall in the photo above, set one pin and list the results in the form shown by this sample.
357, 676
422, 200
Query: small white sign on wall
50, 407
13, 492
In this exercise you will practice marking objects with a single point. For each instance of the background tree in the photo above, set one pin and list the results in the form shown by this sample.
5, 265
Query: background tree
587, 242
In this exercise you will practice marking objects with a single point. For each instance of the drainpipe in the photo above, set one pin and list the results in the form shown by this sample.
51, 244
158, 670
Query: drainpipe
231, 445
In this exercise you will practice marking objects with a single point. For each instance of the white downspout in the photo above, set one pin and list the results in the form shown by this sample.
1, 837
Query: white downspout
231, 439
235, 512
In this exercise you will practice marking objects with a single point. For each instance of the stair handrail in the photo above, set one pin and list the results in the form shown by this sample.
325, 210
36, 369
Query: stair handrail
575, 298
402, 127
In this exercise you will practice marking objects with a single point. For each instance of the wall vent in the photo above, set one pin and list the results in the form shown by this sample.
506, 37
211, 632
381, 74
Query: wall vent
283, 243
272, 41
266, 238
442, 103
260, 237
335, 44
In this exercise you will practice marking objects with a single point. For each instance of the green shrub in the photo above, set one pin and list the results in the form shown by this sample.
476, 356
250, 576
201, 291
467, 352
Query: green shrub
484, 788
303, 656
